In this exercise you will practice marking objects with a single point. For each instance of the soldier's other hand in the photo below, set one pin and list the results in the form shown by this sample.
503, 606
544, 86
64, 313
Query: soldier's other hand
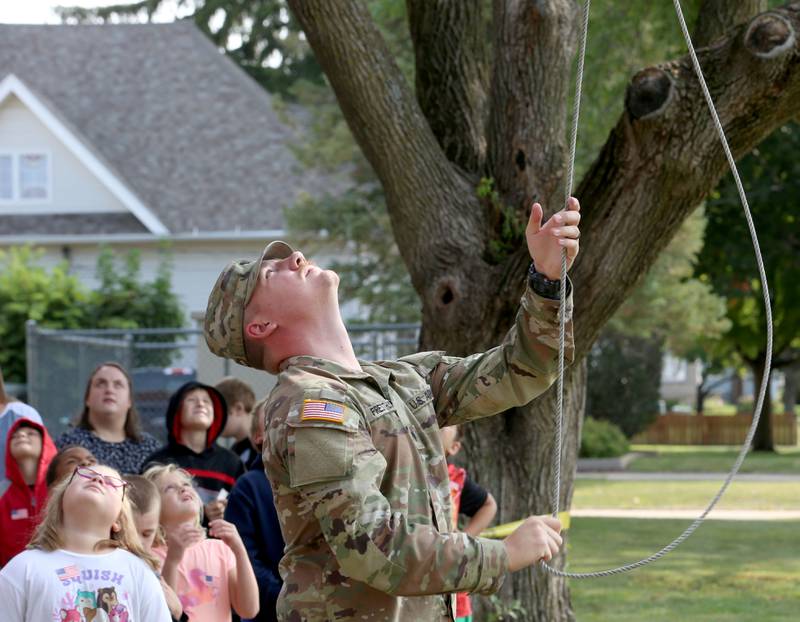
545, 242
536, 539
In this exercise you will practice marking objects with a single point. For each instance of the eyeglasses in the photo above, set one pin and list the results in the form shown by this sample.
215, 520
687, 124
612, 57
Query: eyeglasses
109, 481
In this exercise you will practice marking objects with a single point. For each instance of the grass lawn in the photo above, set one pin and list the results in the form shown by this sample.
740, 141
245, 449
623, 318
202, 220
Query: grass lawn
676, 495
686, 458
726, 572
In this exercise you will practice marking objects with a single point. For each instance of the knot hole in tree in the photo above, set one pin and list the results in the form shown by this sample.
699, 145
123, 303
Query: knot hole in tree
648, 93
445, 292
769, 35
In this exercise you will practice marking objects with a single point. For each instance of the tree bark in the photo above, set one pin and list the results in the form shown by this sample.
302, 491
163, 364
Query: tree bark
716, 17
451, 62
763, 439
659, 162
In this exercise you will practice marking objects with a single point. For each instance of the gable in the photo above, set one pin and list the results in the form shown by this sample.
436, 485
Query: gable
79, 180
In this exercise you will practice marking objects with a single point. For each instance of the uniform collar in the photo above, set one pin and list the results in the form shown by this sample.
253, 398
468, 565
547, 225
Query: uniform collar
380, 375
317, 362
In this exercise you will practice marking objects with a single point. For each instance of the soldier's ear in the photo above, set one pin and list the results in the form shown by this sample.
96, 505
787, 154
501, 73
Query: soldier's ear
260, 330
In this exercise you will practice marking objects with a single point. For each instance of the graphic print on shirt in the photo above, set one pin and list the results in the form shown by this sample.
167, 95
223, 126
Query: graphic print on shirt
91, 596
202, 588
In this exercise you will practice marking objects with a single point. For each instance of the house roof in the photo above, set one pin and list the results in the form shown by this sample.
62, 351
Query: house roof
194, 138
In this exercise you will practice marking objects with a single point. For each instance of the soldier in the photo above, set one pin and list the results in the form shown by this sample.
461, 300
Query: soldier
352, 448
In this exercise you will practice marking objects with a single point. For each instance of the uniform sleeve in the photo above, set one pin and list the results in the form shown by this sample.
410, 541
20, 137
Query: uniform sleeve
509, 375
152, 603
336, 470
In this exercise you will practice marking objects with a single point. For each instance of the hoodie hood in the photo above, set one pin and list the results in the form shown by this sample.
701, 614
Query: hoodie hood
176, 406
13, 473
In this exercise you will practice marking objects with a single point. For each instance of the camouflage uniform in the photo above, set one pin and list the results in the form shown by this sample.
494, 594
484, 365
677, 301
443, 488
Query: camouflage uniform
359, 476
364, 502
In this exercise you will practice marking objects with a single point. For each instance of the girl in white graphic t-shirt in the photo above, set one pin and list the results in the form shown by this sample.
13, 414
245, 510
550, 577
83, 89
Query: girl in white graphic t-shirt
85, 560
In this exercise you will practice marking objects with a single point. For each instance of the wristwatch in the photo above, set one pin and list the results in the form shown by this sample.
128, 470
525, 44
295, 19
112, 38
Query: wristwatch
547, 288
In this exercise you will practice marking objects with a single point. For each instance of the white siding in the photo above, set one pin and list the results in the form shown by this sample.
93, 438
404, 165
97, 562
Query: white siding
74, 187
195, 266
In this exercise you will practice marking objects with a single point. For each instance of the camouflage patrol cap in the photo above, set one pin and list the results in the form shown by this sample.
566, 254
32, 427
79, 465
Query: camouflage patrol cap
224, 321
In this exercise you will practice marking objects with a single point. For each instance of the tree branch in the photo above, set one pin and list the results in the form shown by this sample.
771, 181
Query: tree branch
451, 55
664, 156
383, 113
716, 17
533, 45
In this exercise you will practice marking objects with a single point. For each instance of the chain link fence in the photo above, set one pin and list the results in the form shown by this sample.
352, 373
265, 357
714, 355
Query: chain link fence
159, 361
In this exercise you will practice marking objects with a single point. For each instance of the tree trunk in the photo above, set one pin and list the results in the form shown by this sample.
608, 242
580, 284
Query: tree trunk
736, 389
763, 439
660, 161
717, 17
519, 472
792, 382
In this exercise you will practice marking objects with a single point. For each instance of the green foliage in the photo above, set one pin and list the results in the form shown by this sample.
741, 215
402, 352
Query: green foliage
262, 36
602, 439
772, 177
624, 374
504, 219
54, 299
671, 306
122, 300
500, 610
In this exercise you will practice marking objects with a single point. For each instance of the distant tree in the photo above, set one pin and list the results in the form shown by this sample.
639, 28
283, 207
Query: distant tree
772, 175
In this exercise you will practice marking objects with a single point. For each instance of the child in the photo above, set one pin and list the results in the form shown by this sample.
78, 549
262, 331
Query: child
210, 576
251, 509
146, 507
469, 499
65, 461
240, 398
196, 416
29, 450
85, 560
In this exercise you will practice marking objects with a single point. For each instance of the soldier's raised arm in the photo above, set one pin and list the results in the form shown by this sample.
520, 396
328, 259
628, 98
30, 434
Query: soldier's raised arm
526, 363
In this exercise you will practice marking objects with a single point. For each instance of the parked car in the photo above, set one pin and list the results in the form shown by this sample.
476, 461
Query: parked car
152, 388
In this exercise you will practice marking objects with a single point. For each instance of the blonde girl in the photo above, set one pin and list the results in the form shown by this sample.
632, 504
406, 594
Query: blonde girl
211, 576
146, 507
85, 560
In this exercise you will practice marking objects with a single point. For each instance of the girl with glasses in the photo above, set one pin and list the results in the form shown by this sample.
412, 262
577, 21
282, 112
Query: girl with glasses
85, 560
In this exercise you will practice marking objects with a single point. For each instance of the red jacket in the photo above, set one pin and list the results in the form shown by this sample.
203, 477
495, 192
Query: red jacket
20, 504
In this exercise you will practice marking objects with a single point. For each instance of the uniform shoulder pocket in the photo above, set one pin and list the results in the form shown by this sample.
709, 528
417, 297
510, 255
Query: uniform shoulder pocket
321, 440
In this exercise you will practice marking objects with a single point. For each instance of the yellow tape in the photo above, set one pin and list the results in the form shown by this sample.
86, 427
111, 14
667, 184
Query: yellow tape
502, 531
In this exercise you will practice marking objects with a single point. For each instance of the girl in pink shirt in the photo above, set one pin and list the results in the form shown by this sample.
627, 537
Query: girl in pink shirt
210, 576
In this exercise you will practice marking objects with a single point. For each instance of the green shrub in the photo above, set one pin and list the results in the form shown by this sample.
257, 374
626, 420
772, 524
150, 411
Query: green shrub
602, 439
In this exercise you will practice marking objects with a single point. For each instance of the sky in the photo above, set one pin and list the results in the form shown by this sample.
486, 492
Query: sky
41, 11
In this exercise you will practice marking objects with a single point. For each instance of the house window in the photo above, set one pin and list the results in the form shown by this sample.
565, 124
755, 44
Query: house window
24, 176
33, 176
6, 177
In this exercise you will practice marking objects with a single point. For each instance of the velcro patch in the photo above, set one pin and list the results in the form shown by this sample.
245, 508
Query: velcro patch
323, 410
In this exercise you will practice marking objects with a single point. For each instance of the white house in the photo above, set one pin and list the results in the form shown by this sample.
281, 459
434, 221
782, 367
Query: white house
131, 135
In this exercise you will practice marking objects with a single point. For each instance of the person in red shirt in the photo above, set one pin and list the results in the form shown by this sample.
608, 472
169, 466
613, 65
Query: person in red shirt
467, 499
23, 493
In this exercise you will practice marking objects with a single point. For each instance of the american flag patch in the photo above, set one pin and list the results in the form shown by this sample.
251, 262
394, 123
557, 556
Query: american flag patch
321, 410
19, 514
68, 572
